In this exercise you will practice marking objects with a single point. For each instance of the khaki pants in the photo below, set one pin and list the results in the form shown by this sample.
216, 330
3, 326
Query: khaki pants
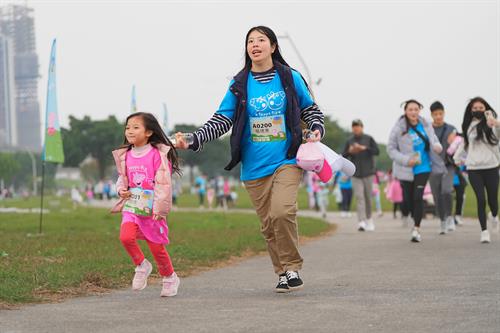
275, 200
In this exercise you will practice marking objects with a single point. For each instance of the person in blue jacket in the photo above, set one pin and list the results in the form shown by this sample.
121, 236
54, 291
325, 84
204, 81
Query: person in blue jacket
266, 104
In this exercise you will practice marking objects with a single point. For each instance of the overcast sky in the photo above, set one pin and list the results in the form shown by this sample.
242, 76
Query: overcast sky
371, 55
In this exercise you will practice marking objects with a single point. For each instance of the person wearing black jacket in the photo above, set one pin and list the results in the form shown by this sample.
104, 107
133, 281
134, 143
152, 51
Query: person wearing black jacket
361, 149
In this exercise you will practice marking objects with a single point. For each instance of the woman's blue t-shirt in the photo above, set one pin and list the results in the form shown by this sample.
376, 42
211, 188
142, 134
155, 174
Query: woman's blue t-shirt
419, 147
266, 138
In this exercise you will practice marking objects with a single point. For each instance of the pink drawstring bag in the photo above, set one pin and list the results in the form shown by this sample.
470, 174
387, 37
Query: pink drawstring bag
311, 158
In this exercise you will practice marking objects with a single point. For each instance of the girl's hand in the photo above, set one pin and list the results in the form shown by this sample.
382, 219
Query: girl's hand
180, 143
124, 194
157, 217
314, 138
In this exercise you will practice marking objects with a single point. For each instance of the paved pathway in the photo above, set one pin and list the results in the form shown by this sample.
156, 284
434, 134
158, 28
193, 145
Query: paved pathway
354, 282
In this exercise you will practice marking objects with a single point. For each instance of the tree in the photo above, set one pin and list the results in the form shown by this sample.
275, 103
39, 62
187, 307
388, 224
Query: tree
9, 167
95, 137
212, 159
335, 136
384, 162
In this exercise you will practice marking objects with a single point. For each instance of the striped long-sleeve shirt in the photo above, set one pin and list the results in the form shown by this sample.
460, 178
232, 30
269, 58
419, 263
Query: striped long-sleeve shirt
220, 124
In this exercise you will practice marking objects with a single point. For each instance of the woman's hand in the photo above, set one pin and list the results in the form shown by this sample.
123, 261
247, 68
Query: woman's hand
124, 194
492, 122
314, 138
413, 161
180, 143
158, 217
437, 148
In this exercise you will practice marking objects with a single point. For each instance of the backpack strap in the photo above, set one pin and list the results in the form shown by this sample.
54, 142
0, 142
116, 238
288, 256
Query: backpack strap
426, 140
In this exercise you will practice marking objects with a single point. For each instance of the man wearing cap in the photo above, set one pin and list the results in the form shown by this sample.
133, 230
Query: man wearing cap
361, 149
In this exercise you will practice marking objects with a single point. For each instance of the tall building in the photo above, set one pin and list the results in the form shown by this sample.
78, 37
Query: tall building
8, 123
17, 24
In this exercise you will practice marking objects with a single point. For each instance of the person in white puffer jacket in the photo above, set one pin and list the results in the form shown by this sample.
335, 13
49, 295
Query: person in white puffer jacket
482, 159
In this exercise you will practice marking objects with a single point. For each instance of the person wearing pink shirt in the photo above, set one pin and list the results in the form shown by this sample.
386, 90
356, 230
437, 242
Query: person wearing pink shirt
145, 163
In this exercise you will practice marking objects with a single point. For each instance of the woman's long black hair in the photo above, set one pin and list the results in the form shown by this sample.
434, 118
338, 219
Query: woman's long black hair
276, 55
274, 42
484, 132
158, 137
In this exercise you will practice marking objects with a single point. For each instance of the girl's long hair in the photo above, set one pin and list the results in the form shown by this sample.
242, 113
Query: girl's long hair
276, 55
158, 137
484, 132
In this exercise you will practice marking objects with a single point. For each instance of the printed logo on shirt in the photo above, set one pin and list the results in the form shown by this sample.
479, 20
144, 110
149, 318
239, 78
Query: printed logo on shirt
273, 101
140, 176
276, 100
417, 141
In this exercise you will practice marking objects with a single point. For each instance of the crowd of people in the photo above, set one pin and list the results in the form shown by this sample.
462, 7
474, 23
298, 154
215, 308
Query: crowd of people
432, 163
217, 191
435, 152
267, 106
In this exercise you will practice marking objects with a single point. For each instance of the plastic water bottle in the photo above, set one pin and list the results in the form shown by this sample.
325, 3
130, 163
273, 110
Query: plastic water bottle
308, 134
187, 137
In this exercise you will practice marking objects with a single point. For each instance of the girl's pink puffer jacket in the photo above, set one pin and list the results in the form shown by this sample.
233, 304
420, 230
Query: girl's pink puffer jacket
162, 201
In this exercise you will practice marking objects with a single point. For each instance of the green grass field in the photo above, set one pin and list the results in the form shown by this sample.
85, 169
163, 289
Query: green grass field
191, 200
79, 250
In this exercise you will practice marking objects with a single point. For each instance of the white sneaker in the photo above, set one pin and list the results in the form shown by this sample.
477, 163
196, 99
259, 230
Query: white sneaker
485, 236
370, 226
450, 224
415, 236
493, 222
443, 228
142, 272
343, 214
458, 220
362, 226
170, 285
349, 214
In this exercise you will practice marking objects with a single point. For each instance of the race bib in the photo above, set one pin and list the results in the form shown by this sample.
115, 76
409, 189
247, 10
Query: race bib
140, 202
268, 129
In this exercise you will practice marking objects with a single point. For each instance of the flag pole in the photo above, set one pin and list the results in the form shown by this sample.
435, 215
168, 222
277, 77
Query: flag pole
52, 148
41, 198
133, 101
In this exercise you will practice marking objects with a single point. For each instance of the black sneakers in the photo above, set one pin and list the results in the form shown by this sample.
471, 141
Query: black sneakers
294, 281
289, 281
282, 286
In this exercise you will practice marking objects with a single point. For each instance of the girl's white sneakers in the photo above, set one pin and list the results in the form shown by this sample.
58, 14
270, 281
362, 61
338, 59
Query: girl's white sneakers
170, 285
142, 272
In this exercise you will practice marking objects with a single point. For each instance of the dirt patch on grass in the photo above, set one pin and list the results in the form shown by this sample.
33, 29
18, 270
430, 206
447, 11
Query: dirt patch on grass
94, 283
7, 306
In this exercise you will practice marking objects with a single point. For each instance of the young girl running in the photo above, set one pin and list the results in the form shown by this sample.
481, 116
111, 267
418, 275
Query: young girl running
265, 104
145, 163
483, 159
